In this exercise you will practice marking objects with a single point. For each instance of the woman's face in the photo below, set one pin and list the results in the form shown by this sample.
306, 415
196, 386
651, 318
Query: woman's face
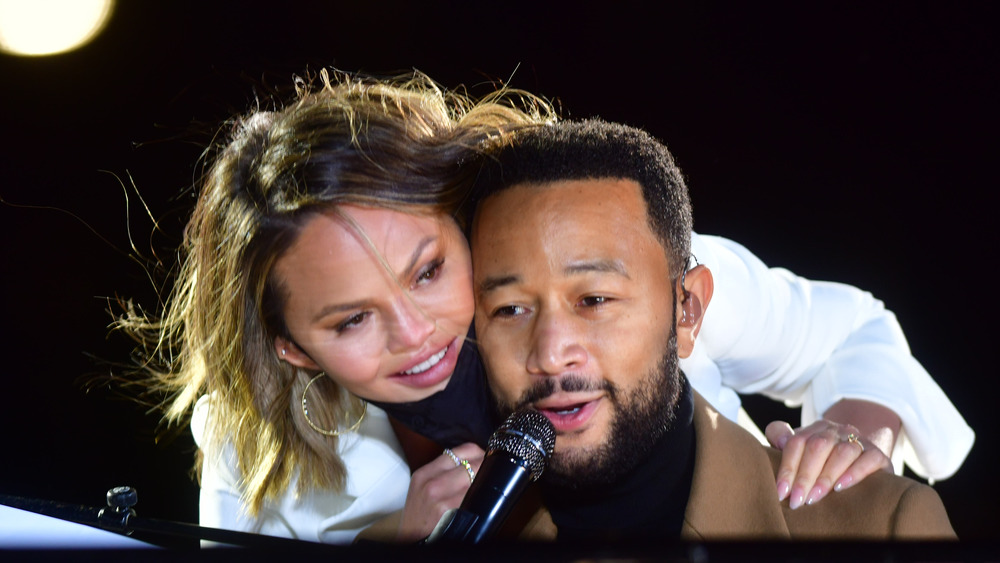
381, 306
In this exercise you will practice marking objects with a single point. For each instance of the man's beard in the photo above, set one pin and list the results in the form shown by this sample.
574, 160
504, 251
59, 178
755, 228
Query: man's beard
640, 418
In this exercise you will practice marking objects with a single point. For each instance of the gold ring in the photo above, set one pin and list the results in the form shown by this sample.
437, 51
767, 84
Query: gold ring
853, 438
469, 469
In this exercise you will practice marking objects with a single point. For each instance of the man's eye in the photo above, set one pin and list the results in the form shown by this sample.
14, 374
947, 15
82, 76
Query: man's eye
595, 301
508, 311
351, 322
430, 272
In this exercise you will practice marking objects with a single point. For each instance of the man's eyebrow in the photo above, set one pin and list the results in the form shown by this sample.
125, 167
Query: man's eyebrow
581, 267
602, 265
496, 282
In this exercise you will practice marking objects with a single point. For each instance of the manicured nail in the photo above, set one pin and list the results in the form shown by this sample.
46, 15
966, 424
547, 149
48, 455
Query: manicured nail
797, 498
845, 482
783, 489
814, 495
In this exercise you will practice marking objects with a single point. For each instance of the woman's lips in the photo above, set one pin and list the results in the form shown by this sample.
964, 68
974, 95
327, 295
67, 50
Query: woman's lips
426, 364
431, 371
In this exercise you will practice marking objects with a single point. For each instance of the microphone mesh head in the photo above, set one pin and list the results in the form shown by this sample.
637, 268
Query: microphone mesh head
526, 435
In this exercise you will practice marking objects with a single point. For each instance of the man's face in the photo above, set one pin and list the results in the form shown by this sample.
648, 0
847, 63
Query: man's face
574, 318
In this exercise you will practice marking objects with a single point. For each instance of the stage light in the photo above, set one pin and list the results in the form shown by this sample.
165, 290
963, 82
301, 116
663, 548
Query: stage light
48, 27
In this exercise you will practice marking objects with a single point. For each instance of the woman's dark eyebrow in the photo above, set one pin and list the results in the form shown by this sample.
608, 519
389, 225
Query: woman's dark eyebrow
415, 257
337, 308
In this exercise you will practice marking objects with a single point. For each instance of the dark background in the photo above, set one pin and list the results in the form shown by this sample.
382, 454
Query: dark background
843, 142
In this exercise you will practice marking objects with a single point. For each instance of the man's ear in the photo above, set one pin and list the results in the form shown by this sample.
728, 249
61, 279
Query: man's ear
693, 298
291, 353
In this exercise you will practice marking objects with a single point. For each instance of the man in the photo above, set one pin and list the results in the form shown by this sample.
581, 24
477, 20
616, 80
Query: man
584, 304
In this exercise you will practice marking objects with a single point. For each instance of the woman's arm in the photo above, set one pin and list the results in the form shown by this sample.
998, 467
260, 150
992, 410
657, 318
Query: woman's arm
219, 504
877, 424
377, 481
816, 344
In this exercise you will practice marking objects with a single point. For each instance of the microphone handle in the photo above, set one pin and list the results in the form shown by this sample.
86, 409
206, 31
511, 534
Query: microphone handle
487, 504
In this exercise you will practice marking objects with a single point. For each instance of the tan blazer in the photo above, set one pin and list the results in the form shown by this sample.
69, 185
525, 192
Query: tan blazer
733, 496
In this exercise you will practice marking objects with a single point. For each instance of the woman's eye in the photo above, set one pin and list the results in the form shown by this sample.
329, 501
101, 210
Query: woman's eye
430, 272
351, 322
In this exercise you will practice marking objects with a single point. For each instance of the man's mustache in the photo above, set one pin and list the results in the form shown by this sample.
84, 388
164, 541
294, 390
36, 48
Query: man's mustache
571, 383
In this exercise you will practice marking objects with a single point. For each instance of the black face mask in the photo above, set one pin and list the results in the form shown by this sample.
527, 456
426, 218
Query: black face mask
461, 412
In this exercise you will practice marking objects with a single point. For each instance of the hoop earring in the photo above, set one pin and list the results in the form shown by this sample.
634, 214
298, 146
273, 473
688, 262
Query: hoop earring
335, 432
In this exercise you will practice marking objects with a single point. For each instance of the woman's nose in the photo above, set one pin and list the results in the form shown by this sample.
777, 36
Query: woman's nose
411, 326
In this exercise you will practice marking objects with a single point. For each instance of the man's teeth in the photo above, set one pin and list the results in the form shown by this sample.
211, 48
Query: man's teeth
568, 411
427, 364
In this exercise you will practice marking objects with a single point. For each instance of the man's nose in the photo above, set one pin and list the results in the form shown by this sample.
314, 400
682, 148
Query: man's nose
556, 345
411, 326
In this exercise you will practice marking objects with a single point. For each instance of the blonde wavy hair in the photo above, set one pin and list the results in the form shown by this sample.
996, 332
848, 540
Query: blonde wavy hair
396, 144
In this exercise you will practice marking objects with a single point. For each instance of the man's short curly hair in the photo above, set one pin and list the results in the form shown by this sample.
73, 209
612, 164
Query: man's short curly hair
594, 149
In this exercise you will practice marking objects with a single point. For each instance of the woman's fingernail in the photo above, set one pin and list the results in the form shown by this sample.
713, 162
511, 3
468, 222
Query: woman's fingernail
814, 495
845, 482
783, 489
797, 498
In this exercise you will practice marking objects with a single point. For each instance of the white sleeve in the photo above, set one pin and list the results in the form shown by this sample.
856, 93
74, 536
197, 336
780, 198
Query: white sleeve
377, 481
219, 500
815, 343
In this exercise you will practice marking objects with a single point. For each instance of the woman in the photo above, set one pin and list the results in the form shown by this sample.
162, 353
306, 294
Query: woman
322, 263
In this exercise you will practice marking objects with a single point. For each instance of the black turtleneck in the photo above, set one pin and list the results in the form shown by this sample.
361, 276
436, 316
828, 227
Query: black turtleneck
462, 412
648, 502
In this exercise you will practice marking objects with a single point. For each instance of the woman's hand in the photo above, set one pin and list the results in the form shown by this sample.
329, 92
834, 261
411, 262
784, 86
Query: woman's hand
435, 488
821, 457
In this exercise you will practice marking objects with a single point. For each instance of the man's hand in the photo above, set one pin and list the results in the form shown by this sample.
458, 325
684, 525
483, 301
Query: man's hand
435, 488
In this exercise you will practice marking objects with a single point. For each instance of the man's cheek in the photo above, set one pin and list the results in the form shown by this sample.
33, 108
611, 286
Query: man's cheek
501, 385
510, 391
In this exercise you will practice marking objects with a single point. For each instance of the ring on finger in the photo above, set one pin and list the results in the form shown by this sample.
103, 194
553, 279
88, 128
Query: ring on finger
459, 462
855, 439
451, 454
468, 468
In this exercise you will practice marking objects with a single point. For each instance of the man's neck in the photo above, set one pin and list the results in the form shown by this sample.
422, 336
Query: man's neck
649, 500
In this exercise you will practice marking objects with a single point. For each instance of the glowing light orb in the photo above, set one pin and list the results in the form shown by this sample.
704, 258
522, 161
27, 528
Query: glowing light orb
48, 27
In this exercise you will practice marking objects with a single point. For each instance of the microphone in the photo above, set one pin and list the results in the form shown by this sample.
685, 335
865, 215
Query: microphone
516, 456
